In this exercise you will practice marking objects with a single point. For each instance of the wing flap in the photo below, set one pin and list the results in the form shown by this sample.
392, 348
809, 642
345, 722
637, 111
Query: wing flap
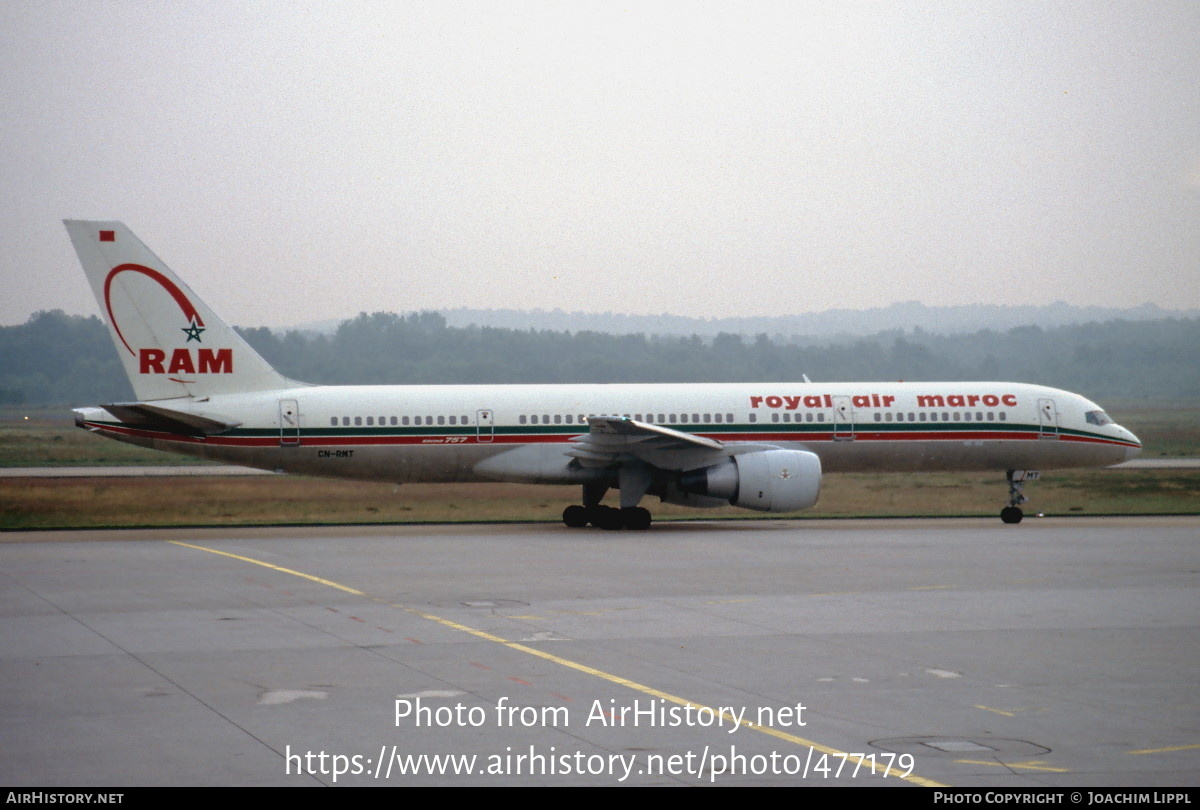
614, 440
631, 428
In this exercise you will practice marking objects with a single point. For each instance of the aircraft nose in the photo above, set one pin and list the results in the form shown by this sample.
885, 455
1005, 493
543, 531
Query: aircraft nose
1136, 444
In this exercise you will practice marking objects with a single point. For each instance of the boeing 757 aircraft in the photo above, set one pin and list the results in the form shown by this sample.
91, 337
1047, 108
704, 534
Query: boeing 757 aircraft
202, 391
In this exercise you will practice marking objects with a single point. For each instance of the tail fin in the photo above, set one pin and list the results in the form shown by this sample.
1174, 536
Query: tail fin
171, 343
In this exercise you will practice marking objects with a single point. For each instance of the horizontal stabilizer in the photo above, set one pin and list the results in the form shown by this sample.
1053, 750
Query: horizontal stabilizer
156, 416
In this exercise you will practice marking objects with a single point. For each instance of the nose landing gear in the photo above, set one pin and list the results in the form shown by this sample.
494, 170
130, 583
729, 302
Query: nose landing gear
1016, 495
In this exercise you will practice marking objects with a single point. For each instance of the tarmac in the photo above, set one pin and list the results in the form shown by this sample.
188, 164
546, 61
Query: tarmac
961, 652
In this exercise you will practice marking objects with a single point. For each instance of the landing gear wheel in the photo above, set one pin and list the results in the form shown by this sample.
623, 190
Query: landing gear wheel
635, 517
1016, 495
605, 517
1011, 514
575, 516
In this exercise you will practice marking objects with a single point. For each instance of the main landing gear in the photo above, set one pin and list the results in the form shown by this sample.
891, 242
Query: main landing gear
607, 517
1016, 495
634, 482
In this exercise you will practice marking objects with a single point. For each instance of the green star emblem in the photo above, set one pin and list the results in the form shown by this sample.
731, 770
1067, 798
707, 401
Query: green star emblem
193, 331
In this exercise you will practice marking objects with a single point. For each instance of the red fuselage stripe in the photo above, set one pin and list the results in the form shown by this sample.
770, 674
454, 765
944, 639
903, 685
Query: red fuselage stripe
450, 439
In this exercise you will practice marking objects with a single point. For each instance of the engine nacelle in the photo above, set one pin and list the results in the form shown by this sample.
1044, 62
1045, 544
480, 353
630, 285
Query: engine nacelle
766, 480
673, 493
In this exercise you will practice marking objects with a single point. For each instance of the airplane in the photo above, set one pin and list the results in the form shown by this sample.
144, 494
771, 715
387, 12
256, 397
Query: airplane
202, 391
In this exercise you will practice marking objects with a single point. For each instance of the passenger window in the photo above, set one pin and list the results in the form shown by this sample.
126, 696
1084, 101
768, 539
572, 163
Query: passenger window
558, 418
394, 420
358, 420
753, 417
441, 420
878, 417
774, 417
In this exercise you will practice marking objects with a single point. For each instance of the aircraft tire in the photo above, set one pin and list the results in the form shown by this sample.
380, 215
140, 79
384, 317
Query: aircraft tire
1011, 514
605, 517
575, 516
636, 518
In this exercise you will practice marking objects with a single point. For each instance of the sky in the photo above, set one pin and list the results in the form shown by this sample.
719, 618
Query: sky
302, 161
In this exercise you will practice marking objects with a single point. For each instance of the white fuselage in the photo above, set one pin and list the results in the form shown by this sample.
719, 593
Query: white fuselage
443, 433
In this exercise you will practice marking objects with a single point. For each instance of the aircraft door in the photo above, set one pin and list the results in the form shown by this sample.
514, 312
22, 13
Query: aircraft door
843, 419
1047, 419
484, 428
289, 423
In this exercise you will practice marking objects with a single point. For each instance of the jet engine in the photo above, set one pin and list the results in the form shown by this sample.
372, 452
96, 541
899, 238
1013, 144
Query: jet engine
766, 480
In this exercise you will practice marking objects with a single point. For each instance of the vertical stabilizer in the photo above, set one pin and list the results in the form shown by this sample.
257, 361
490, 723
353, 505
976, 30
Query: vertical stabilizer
170, 342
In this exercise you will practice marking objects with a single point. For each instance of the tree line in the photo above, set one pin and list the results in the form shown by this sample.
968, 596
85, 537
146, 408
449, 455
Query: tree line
59, 359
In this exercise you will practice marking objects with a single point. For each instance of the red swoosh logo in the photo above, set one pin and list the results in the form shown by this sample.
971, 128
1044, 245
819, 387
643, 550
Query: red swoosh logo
185, 305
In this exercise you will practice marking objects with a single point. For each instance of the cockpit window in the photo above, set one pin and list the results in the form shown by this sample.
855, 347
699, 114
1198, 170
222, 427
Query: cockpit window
1098, 418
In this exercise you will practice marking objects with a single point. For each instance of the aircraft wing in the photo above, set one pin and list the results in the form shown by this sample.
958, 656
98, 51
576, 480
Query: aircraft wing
613, 439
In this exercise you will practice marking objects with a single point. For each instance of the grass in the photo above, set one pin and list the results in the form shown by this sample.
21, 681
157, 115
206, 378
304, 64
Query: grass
42, 503
49, 438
